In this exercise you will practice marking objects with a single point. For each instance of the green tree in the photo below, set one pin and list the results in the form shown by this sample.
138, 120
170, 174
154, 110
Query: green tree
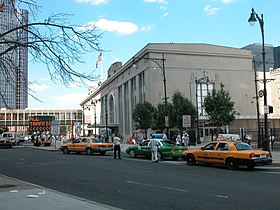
159, 116
219, 108
143, 115
181, 105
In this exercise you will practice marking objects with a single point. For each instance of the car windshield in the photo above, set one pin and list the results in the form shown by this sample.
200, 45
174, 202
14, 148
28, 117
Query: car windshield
167, 143
242, 146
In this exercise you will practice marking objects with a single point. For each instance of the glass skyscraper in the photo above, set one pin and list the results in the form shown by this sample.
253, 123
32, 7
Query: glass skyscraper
13, 56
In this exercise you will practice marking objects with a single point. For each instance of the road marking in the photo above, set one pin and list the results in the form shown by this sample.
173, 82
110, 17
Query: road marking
175, 189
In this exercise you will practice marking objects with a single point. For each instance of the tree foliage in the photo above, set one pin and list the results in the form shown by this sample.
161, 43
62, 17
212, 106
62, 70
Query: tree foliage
53, 42
181, 105
219, 107
143, 115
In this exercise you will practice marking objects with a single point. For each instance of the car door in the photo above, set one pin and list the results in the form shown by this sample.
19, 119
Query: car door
144, 148
220, 153
72, 147
206, 153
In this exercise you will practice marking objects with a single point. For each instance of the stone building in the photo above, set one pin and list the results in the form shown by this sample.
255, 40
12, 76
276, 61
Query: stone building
189, 68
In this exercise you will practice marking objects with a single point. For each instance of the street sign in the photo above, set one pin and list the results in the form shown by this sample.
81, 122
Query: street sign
40, 123
187, 121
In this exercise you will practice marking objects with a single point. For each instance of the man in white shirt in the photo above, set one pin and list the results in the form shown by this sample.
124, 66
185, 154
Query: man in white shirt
154, 149
117, 147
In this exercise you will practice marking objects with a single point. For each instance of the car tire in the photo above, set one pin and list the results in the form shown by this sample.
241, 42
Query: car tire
231, 164
190, 160
89, 151
132, 154
65, 150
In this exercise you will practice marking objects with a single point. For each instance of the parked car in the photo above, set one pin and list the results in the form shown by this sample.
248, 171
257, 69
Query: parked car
88, 145
167, 148
21, 137
13, 136
6, 142
229, 153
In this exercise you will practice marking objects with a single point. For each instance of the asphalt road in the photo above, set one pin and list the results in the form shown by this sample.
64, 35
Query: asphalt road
140, 184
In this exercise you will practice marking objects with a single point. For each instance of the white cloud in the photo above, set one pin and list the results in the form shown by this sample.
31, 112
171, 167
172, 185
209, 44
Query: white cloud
147, 28
164, 15
68, 100
209, 10
95, 2
155, 1
38, 88
121, 28
227, 1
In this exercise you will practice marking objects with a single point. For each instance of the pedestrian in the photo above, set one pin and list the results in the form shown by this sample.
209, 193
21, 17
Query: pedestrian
272, 139
185, 139
178, 140
154, 149
117, 147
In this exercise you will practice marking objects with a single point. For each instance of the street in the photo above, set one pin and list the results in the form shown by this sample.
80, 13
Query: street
141, 184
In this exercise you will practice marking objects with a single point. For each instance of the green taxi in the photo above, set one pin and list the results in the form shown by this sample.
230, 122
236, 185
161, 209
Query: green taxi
166, 149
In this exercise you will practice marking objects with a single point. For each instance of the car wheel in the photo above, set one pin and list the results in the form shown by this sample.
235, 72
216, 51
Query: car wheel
65, 150
231, 163
88, 151
102, 153
190, 160
132, 154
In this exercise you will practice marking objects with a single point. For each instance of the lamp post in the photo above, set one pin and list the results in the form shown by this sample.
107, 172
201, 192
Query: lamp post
253, 18
161, 64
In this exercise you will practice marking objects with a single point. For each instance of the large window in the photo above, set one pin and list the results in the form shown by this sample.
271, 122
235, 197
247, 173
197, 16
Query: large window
203, 89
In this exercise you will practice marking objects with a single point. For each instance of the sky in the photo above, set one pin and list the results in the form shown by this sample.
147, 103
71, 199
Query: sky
129, 25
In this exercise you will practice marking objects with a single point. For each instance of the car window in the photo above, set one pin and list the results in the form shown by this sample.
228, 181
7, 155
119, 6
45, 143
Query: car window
76, 141
144, 143
210, 146
167, 143
223, 147
96, 140
242, 146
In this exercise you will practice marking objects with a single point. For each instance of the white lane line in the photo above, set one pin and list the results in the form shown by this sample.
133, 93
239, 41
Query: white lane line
175, 189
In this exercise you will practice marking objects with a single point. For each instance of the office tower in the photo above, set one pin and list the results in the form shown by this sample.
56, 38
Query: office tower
13, 56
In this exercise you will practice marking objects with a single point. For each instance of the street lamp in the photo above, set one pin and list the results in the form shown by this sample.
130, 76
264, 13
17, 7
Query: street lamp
94, 104
161, 64
253, 18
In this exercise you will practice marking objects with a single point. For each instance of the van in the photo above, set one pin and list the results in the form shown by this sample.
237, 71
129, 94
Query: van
14, 137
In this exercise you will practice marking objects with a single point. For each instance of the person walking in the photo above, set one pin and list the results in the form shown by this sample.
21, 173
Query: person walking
185, 139
154, 149
178, 140
117, 147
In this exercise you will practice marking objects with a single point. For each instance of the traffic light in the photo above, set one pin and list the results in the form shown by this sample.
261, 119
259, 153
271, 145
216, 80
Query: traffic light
270, 109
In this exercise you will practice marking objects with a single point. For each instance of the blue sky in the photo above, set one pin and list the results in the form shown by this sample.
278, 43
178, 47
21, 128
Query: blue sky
129, 25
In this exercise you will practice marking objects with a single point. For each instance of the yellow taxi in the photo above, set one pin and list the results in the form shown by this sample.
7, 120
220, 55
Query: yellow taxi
88, 145
229, 153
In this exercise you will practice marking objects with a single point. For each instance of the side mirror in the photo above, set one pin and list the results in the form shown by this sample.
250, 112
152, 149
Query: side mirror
202, 148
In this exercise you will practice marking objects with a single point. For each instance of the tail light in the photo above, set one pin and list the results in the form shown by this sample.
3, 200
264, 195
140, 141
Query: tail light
252, 156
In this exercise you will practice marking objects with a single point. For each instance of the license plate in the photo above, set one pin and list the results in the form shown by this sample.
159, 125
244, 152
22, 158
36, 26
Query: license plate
179, 150
262, 156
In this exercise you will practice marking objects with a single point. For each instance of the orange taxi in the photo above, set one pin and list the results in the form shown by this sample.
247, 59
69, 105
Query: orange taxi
229, 153
88, 145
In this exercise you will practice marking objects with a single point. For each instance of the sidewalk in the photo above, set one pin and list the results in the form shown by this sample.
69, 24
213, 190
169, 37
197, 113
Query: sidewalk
19, 195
